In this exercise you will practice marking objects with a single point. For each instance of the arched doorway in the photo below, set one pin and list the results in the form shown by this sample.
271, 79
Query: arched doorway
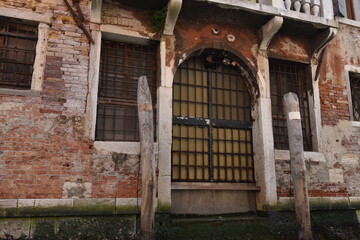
212, 124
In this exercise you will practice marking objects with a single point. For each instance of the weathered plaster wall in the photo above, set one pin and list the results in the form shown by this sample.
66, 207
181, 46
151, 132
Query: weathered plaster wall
338, 174
43, 149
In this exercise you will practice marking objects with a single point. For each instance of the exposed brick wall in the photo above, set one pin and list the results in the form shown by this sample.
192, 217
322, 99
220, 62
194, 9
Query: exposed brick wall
42, 140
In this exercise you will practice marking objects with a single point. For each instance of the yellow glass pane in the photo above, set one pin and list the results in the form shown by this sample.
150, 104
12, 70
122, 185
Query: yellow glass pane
243, 174
176, 109
242, 135
229, 147
176, 158
199, 133
184, 131
184, 93
222, 174
175, 172
199, 145
205, 112
227, 113
229, 174
183, 173
198, 80
192, 94
237, 174
191, 77
236, 161
184, 145
176, 95
205, 95
198, 94
183, 158
206, 173
199, 110
191, 132
227, 97
235, 134
199, 173
243, 161
206, 144
221, 146
183, 109
206, 160
221, 133
176, 144
226, 81
229, 160
234, 114
192, 159
248, 148
215, 160
199, 159
192, 110
176, 131
222, 160
215, 175
191, 173
220, 97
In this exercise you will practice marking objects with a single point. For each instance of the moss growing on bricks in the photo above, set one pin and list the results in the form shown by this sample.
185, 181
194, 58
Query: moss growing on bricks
45, 211
44, 229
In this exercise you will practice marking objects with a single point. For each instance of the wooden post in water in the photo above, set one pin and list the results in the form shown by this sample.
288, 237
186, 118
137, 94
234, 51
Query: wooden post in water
146, 129
297, 163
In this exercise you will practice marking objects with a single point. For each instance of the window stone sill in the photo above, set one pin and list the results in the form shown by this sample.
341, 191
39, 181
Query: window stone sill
15, 92
309, 156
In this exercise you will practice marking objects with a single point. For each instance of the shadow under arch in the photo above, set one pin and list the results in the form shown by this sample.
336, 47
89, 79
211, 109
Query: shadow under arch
222, 56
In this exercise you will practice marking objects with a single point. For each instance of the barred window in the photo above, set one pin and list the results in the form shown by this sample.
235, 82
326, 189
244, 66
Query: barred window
289, 77
121, 64
18, 40
355, 95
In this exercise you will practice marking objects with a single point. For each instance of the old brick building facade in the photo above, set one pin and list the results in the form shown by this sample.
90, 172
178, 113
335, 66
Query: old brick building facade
68, 124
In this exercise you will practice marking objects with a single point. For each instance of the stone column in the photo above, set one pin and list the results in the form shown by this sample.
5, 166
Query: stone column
263, 137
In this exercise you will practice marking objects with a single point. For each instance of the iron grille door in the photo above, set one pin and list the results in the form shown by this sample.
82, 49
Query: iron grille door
212, 127
288, 77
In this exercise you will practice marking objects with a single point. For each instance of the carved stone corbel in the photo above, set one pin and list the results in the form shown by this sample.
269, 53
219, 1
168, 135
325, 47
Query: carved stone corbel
268, 31
322, 40
174, 7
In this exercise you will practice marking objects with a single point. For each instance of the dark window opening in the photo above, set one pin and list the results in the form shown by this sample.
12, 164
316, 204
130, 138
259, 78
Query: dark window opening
355, 95
17, 52
121, 64
212, 125
289, 77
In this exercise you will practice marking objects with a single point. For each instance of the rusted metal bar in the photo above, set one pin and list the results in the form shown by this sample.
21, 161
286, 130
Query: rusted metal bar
81, 15
79, 22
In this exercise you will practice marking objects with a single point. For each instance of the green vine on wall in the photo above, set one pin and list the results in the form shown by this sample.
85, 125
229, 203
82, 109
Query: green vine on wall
158, 18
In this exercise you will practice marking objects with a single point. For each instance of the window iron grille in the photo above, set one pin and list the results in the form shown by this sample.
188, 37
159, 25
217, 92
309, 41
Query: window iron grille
121, 64
212, 126
355, 95
17, 52
288, 77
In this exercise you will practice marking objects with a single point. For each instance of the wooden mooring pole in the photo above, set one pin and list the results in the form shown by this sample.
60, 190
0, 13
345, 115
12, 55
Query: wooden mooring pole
146, 129
297, 163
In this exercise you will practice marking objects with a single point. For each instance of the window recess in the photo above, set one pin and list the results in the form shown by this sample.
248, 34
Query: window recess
18, 41
287, 77
121, 64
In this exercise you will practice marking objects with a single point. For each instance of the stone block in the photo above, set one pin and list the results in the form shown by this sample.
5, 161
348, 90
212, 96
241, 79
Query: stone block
14, 228
128, 205
336, 175
93, 206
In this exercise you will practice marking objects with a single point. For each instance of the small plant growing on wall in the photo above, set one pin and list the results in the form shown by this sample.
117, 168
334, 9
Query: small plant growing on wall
158, 18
